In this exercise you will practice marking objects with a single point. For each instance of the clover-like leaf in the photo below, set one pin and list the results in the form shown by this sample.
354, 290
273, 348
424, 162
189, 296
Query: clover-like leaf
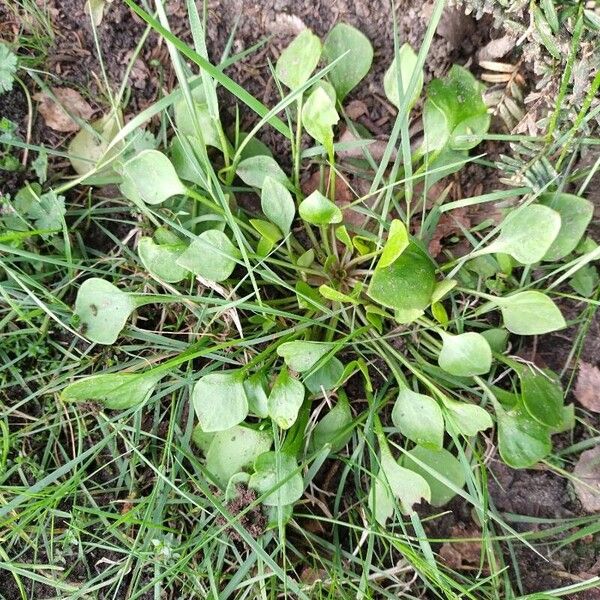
454, 108
419, 418
527, 233
220, 400
254, 170
103, 310
575, 215
285, 399
211, 255
465, 355
233, 450
319, 116
442, 462
299, 59
530, 313
277, 204
407, 284
356, 54
277, 475
116, 391
161, 259
151, 177
402, 69
300, 355
316, 209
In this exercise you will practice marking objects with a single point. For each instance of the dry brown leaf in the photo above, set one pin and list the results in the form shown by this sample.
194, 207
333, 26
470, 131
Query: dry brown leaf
587, 388
55, 116
356, 109
587, 479
375, 147
457, 554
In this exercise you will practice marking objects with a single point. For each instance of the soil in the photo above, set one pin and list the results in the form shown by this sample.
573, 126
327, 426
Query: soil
72, 62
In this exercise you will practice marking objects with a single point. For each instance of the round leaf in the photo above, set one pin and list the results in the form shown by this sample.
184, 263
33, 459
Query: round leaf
465, 355
316, 209
318, 117
277, 204
161, 259
325, 377
152, 177
254, 170
300, 356
469, 419
530, 313
333, 428
543, 396
220, 400
442, 462
285, 399
402, 69
103, 310
278, 476
258, 402
395, 245
357, 55
211, 255
299, 60
419, 418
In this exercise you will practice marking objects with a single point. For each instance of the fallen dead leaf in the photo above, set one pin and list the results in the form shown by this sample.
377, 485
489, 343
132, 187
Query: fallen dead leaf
55, 116
457, 554
375, 147
587, 388
587, 479
497, 48
356, 109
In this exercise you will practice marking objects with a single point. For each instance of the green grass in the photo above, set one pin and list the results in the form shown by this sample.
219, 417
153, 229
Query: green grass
97, 503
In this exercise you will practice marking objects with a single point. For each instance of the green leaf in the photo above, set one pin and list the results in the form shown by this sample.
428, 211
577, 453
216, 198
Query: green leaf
220, 400
545, 32
48, 211
277, 474
325, 377
419, 418
543, 396
149, 176
465, 355
235, 449
306, 259
211, 255
318, 117
103, 310
300, 356
407, 284
402, 70
442, 288
8, 68
530, 313
522, 441
357, 55
184, 157
396, 244
497, 338
161, 259
277, 204
333, 428
254, 170
116, 391
185, 123
285, 399
394, 481
318, 210
469, 419
335, 295
255, 388
585, 281
527, 233
575, 216
454, 108
297, 62
269, 232
442, 462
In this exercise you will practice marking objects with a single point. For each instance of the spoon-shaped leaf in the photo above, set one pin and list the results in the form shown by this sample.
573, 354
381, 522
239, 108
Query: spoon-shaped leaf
117, 391
402, 68
442, 461
357, 55
316, 209
407, 284
300, 356
102, 309
254, 170
527, 233
465, 355
277, 475
319, 116
277, 204
161, 259
220, 400
151, 177
285, 399
419, 418
299, 59
530, 313
211, 255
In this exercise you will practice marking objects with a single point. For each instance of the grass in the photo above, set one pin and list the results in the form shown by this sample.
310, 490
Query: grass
97, 503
